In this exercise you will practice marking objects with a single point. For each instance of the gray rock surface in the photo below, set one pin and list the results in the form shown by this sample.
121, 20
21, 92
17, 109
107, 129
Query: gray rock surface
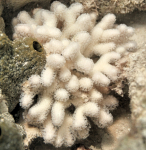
137, 87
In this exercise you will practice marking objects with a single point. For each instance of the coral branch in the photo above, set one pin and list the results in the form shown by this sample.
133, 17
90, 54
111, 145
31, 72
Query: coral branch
71, 87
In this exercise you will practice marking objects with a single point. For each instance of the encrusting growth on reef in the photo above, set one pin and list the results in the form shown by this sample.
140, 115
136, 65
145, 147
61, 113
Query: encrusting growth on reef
19, 59
81, 58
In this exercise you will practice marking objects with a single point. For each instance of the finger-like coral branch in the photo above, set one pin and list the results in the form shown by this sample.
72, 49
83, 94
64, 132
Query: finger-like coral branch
71, 86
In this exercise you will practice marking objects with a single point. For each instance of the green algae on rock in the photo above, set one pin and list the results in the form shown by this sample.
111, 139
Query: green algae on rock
19, 59
10, 138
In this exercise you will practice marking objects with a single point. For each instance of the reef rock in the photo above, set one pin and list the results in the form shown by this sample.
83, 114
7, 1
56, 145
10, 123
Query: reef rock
10, 138
19, 60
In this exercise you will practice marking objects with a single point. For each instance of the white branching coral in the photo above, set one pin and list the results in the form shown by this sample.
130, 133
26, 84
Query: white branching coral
61, 100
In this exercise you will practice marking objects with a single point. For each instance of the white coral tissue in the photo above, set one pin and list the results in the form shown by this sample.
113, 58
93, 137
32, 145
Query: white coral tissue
67, 90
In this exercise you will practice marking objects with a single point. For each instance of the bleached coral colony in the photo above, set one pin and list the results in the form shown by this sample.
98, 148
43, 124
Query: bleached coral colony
68, 92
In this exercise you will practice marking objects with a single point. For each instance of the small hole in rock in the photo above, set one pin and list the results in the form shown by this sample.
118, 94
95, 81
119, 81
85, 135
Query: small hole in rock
16, 112
37, 46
